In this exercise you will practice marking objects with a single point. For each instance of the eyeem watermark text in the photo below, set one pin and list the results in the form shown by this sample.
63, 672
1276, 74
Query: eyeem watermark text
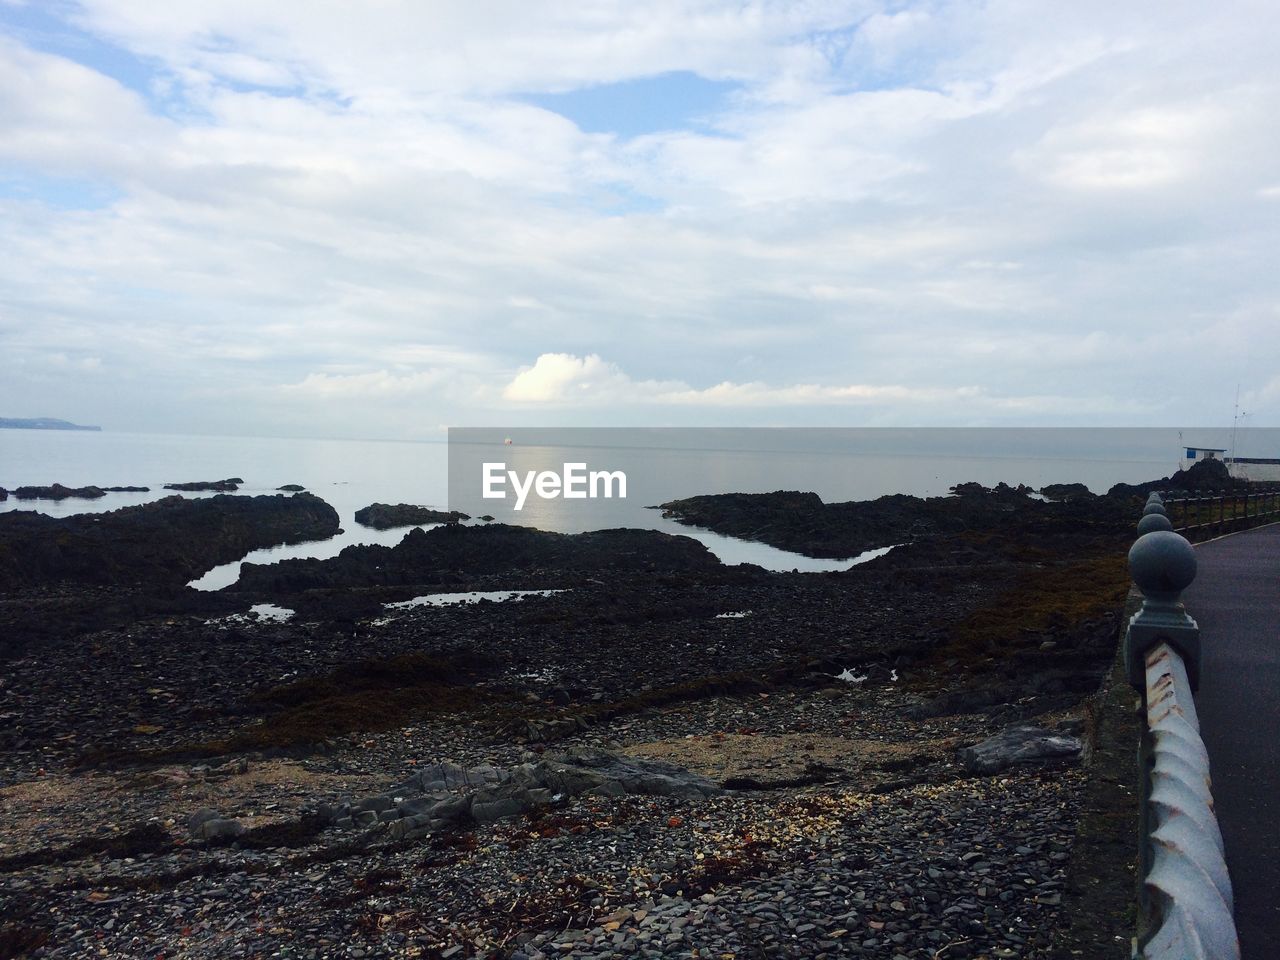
574, 482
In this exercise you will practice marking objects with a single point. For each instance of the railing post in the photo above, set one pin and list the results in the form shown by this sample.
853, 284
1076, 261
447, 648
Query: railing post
1163, 564
1185, 899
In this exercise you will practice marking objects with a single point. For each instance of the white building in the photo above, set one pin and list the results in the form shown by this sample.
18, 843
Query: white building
1255, 468
1243, 468
1196, 454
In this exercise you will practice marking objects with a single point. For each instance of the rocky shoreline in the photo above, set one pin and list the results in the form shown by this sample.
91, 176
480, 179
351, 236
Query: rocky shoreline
654, 756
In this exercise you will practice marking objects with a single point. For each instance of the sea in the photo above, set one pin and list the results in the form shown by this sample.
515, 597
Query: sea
665, 465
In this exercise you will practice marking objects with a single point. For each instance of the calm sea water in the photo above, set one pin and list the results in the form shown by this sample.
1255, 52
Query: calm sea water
350, 474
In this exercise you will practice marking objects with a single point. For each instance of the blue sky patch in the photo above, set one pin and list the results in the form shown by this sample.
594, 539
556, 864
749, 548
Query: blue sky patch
39, 27
63, 193
632, 108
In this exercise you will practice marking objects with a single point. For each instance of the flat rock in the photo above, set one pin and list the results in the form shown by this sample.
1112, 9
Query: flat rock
586, 770
488, 794
1017, 745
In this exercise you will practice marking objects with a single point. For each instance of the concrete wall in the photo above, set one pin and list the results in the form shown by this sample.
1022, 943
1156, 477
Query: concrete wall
1245, 470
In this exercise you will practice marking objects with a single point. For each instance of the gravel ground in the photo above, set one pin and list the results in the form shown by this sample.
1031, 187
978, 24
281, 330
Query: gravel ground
847, 829
845, 865
968, 868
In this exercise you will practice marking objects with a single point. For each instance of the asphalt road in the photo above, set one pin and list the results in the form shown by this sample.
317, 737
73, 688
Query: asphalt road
1236, 600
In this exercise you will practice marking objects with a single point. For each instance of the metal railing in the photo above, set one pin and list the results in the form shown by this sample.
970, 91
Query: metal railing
1199, 516
1185, 902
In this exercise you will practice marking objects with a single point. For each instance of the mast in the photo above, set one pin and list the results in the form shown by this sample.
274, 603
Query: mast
1235, 416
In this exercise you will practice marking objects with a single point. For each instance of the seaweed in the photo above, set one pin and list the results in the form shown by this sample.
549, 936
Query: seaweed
364, 696
1051, 598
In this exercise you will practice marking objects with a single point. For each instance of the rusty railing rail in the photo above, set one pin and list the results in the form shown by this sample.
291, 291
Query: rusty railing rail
1199, 516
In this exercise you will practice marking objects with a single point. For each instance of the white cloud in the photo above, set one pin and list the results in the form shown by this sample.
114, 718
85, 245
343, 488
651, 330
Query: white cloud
564, 378
1141, 149
415, 49
757, 394
926, 207
558, 379
379, 383
64, 118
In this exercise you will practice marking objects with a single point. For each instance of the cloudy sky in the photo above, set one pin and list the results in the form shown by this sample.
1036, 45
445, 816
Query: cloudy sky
290, 218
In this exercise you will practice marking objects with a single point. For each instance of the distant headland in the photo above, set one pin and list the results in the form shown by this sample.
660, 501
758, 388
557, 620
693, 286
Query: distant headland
41, 423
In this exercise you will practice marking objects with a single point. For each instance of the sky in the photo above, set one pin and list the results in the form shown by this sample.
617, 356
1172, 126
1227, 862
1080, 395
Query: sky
311, 218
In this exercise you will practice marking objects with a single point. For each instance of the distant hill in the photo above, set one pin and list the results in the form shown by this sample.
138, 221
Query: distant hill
42, 423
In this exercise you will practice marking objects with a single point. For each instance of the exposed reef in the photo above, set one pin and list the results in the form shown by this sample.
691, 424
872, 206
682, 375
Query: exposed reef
439, 555
1206, 475
385, 516
803, 523
230, 485
166, 542
1066, 491
57, 491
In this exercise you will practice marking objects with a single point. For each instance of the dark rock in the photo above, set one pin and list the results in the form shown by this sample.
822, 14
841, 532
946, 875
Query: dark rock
410, 828
486, 811
200, 818
292, 488
384, 516
414, 806
447, 776
164, 543
955, 702
1206, 475
1018, 745
583, 770
803, 523
524, 788
4, 494
220, 829
58, 492
434, 556
452, 810
230, 485
127, 489
1066, 491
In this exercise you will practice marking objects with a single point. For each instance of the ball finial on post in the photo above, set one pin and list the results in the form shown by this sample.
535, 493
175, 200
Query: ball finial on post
1163, 564
1151, 522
